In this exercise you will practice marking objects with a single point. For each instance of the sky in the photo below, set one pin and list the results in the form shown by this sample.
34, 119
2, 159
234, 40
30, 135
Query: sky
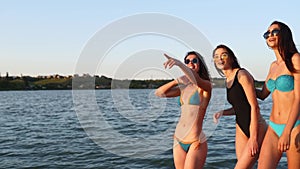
59, 37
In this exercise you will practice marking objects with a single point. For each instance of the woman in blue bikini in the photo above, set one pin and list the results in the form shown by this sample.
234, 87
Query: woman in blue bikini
250, 126
194, 91
283, 83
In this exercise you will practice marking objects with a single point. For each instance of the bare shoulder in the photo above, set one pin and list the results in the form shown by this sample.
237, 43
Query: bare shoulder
273, 64
296, 59
245, 78
244, 75
296, 55
296, 62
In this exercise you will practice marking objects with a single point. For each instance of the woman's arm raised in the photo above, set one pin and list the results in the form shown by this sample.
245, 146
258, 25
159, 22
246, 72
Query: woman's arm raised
191, 75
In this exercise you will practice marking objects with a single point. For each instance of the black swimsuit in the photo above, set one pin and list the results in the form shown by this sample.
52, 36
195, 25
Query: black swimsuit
237, 98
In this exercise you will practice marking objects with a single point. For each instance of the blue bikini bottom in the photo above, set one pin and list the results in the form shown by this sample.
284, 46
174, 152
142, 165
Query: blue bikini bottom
278, 128
184, 146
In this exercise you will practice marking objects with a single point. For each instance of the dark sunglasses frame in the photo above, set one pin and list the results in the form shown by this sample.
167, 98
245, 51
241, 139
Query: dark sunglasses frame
187, 61
274, 32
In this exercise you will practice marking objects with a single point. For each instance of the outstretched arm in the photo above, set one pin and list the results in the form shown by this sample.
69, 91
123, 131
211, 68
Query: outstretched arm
191, 75
170, 89
226, 112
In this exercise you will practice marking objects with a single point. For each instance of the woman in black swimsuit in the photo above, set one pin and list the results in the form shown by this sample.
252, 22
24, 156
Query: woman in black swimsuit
250, 126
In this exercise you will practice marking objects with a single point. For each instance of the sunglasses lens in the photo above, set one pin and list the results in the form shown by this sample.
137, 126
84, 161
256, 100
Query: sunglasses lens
224, 56
187, 61
195, 60
275, 32
266, 35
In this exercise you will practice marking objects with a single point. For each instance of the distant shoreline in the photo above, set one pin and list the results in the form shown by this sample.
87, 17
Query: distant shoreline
58, 82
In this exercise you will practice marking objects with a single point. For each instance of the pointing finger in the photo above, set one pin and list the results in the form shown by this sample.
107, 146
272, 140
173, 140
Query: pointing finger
167, 56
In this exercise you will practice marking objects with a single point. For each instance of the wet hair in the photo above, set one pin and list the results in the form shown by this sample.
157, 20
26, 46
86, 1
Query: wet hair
231, 55
286, 45
203, 71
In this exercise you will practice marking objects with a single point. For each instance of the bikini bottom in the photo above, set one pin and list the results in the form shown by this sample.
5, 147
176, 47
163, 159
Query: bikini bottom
278, 128
186, 145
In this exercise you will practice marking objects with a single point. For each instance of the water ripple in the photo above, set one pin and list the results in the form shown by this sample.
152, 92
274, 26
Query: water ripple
40, 129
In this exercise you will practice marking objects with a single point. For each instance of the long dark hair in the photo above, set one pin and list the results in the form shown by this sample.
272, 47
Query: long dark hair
235, 63
203, 71
286, 45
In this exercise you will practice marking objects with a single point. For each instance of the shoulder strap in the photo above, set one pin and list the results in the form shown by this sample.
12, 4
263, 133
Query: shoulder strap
236, 74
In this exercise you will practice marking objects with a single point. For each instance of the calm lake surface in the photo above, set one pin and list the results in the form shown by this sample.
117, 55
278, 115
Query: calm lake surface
105, 129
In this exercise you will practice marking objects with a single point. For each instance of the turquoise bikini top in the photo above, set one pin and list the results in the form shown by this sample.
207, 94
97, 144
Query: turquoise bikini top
194, 99
283, 83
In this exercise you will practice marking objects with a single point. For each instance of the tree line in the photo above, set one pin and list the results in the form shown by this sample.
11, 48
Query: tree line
86, 82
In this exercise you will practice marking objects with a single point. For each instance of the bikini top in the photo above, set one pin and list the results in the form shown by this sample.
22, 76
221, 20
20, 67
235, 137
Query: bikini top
192, 99
283, 83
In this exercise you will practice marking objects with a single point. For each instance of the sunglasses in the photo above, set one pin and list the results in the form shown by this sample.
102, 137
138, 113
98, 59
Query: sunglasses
274, 32
187, 61
222, 56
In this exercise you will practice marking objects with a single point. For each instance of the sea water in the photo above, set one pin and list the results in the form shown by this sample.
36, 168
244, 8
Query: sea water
105, 129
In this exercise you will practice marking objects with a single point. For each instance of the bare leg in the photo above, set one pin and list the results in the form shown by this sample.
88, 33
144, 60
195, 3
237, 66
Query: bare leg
196, 156
245, 160
241, 147
269, 151
179, 155
293, 154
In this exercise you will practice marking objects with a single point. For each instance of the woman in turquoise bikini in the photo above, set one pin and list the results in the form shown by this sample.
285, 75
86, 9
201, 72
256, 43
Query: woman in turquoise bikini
194, 91
283, 82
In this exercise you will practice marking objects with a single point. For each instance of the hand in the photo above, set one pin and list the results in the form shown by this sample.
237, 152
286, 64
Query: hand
253, 147
216, 116
171, 61
284, 142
